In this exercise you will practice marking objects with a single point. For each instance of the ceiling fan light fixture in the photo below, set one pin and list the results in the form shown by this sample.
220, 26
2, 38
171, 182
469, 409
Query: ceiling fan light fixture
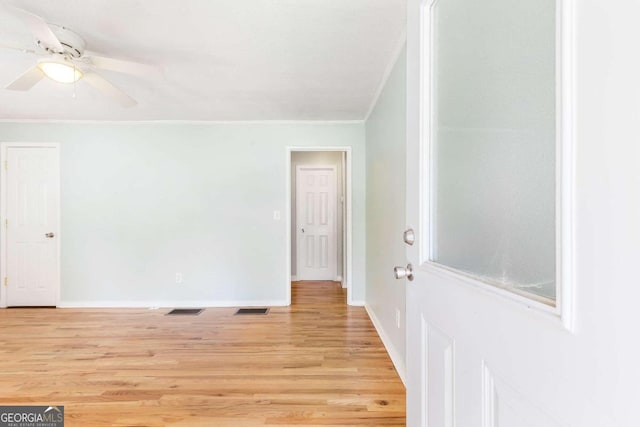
60, 72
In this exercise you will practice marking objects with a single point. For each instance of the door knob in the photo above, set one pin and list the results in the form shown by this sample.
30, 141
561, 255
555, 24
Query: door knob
402, 272
409, 236
49, 235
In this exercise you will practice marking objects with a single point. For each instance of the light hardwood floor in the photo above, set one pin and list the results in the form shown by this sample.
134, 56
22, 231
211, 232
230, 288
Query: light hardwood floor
317, 362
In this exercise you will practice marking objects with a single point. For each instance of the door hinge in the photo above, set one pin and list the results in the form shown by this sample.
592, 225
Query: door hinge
6, 164
6, 281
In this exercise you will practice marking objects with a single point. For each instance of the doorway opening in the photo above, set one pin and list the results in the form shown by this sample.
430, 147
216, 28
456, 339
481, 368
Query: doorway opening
319, 215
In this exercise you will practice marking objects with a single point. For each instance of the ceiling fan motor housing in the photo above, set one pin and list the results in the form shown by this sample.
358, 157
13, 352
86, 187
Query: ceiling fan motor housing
72, 43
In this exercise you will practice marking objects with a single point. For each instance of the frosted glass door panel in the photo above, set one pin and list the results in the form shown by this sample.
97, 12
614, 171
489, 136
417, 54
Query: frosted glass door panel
494, 121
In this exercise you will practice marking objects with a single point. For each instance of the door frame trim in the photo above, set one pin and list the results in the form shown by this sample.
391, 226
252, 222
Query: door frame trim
347, 249
3, 214
335, 219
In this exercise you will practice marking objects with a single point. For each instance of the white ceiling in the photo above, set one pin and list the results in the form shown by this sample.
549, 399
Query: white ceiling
221, 59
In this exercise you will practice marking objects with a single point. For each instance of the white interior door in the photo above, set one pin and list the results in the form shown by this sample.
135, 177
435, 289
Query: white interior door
32, 225
316, 222
523, 306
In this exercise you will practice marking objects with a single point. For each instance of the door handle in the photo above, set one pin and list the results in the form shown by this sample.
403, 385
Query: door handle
49, 235
402, 272
409, 236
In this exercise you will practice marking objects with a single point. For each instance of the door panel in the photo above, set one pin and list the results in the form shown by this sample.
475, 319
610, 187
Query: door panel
32, 213
317, 233
515, 362
481, 193
438, 374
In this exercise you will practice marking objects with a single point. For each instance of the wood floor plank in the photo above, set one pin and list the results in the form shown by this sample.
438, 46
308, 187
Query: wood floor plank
317, 362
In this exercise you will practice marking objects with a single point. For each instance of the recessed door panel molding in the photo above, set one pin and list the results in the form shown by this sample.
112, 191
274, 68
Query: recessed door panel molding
502, 405
31, 215
324, 208
438, 377
323, 252
310, 210
317, 235
310, 251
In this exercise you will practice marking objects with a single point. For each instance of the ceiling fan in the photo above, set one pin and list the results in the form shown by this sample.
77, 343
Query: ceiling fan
65, 60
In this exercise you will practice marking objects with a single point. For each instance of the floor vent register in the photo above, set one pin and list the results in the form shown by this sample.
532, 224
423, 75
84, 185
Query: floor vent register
185, 312
252, 311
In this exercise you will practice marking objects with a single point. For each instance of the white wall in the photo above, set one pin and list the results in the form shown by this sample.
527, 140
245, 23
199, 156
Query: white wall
141, 202
333, 158
385, 136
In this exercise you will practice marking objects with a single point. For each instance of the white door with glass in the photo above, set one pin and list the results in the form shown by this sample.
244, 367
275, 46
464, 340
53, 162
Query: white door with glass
31, 208
520, 308
316, 194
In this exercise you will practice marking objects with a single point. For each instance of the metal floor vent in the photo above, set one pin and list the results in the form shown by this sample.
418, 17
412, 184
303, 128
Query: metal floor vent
185, 312
252, 311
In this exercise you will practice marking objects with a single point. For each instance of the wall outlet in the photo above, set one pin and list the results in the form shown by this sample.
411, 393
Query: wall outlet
398, 318
178, 278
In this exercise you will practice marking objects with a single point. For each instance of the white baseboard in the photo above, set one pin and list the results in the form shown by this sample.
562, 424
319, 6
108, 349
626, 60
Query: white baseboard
357, 303
169, 304
397, 360
338, 279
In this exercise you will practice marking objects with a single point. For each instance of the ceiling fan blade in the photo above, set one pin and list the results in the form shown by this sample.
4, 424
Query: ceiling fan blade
20, 49
108, 89
27, 80
38, 28
122, 66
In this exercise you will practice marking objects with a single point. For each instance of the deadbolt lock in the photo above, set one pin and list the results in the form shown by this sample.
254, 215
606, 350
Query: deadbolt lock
409, 237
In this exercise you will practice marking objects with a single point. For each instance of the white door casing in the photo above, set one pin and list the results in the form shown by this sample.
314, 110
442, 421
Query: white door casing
316, 222
347, 249
30, 205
